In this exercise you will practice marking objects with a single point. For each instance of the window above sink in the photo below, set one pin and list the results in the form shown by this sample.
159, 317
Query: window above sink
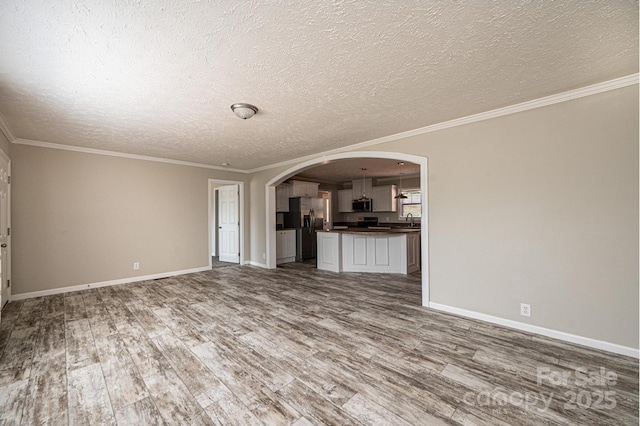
410, 205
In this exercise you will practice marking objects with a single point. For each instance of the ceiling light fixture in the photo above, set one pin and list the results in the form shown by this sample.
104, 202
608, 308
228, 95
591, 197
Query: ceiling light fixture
364, 185
400, 195
243, 110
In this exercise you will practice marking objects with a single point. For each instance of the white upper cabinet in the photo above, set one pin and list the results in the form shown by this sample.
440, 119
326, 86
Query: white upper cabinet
384, 198
282, 197
360, 188
345, 201
304, 189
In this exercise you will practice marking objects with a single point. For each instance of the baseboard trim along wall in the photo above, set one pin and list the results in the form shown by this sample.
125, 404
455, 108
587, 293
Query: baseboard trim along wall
254, 263
69, 289
560, 335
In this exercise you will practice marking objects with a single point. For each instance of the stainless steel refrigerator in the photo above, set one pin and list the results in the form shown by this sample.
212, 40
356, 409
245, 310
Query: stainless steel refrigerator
305, 216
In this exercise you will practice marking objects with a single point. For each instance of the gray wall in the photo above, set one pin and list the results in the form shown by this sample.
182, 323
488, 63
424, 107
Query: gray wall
538, 207
83, 218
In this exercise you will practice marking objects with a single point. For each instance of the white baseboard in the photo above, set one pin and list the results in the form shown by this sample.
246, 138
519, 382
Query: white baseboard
581, 340
560, 335
69, 289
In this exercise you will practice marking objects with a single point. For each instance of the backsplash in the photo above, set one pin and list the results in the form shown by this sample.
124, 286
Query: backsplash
383, 217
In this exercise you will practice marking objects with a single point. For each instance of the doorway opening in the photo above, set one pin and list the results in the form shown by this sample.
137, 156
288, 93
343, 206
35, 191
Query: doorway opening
5, 233
226, 226
327, 216
270, 203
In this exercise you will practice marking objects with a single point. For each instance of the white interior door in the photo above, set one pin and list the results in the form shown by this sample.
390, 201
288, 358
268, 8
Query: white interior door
229, 223
4, 231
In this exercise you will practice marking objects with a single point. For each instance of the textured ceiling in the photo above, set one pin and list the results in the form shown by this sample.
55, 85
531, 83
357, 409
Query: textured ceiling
341, 171
157, 78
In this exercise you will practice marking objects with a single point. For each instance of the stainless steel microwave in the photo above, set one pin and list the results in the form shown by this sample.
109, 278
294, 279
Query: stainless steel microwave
362, 205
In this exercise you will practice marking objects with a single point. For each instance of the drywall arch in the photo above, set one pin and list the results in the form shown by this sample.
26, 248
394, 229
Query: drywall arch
270, 199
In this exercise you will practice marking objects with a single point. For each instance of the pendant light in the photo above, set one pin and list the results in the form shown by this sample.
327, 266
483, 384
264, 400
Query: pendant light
400, 195
364, 185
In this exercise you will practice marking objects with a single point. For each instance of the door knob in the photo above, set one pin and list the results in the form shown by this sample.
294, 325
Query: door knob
3, 245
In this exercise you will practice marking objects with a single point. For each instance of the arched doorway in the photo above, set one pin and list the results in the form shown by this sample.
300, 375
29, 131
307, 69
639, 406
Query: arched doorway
270, 193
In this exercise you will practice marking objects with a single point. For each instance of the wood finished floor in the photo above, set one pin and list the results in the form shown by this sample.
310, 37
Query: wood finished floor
243, 345
217, 263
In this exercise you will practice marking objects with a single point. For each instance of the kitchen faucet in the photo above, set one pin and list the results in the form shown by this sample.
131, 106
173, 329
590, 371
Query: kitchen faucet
409, 215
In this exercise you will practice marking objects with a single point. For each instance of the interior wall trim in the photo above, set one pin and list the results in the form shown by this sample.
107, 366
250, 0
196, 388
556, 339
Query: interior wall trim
560, 335
593, 89
5, 129
270, 203
120, 154
87, 286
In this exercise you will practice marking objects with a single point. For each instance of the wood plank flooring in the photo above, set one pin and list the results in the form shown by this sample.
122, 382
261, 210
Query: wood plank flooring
243, 345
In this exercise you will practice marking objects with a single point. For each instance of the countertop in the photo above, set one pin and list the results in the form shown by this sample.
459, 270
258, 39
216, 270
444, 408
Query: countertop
374, 230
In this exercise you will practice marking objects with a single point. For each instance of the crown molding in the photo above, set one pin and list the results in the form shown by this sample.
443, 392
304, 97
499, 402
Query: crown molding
121, 155
5, 129
593, 89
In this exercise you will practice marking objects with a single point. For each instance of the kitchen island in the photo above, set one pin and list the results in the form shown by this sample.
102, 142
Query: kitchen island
381, 250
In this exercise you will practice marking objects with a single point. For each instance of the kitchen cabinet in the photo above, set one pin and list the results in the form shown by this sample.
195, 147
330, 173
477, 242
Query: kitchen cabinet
345, 200
285, 246
384, 198
329, 253
385, 252
304, 189
362, 187
283, 192
413, 252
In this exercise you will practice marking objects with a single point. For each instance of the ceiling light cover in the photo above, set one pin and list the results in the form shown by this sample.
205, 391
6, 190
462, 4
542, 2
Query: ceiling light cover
244, 111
